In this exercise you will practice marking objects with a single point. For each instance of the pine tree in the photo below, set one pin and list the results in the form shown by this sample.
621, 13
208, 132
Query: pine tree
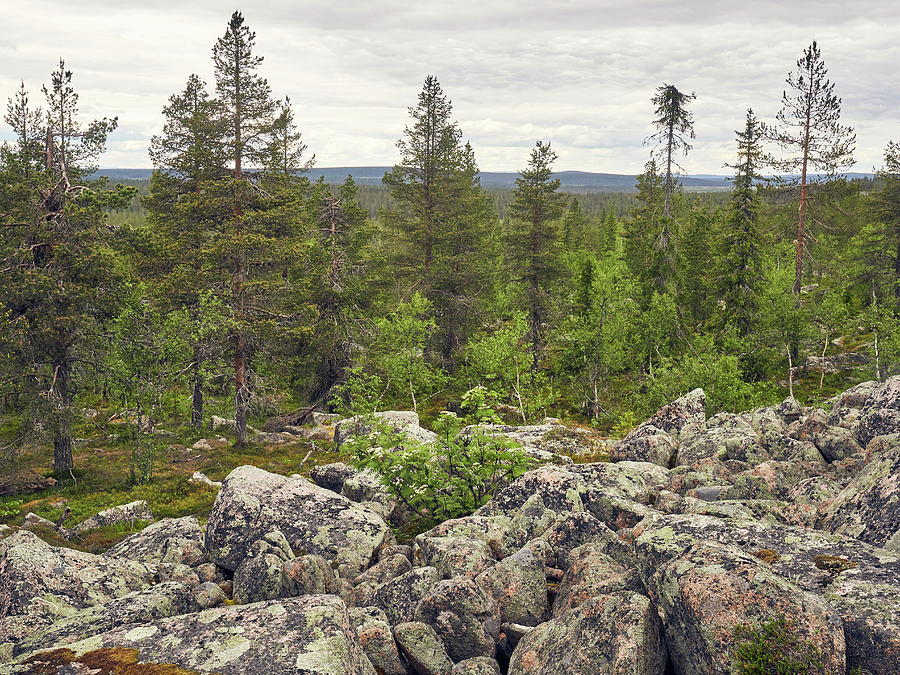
808, 126
60, 275
741, 275
675, 125
250, 113
609, 230
533, 240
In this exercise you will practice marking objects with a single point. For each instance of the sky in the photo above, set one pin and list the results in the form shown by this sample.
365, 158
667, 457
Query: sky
579, 73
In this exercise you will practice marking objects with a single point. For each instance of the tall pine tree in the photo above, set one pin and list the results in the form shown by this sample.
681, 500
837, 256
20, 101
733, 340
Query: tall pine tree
808, 127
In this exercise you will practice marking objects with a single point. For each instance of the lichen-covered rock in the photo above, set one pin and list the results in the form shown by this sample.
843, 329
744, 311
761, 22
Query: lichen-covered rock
616, 633
377, 642
158, 602
479, 665
706, 592
870, 610
261, 576
385, 570
422, 648
171, 540
869, 507
647, 443
682, 418
881, 413
304, 635
549, 442
559, 488
518, 585
311, 575
314, 520
45, 582
332, 476
836, 443
465, 617
400, 596
577, 529
209, 595
455, 556
591, 573
405, 421
124, 513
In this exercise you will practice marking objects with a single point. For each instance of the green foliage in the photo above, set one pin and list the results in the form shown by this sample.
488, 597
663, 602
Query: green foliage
717, 373
10, 509
774, 648
449, 478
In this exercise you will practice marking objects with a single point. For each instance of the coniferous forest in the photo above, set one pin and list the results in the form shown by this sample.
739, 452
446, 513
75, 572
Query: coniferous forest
152, 329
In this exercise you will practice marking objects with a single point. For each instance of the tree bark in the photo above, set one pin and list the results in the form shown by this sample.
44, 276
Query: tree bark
63, 443
197, 398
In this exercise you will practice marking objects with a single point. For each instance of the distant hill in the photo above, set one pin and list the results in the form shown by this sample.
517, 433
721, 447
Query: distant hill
571, 181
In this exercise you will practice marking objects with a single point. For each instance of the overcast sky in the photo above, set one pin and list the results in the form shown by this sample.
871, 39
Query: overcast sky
577, 72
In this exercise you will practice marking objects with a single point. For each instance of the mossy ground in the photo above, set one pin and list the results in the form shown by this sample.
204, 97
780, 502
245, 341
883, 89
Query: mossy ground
101, 479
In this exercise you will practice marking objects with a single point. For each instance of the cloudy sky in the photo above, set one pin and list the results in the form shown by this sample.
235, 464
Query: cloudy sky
577, 72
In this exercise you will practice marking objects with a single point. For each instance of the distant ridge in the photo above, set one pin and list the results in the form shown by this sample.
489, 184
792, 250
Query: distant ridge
570, 181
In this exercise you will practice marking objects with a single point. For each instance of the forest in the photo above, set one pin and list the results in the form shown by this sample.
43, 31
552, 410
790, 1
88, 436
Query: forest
233, 285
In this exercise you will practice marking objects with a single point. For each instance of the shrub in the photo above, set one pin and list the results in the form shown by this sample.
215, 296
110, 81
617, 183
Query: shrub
450, 477
774, 648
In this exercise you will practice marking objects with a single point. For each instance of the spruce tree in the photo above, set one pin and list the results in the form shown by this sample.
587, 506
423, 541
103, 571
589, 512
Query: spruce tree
188, 154
808, 127
533, 240
883, 258
649, 236
674, 126
741, 276
445, 223
60, 275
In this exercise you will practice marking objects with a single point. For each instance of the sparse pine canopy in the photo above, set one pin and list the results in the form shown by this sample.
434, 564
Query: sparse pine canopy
808, 128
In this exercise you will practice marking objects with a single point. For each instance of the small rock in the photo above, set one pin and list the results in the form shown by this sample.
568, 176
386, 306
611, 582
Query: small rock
422, 648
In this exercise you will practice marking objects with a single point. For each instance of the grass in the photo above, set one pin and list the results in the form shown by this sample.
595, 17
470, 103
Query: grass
101, 479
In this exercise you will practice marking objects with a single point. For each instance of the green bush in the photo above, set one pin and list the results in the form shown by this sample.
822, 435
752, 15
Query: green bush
774, 648
450, 477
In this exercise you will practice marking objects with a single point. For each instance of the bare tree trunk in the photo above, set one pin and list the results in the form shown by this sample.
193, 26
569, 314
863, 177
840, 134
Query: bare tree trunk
197, 398
63, 443
790, 372
800, 244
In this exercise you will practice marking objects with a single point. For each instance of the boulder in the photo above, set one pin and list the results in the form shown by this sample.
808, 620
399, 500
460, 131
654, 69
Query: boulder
518, 586
200, 478
378, 644
682, 418
23, 483
171, 540
332, 476
311, 634
405, 421
310, 575
399, 597
465, 617
43, 582
261, 576
549, 442
869, 507
314, 520
422, 648
124, 513
881, 413
479, 665
157, 602
210, 444
704, 594
836, 443
385, 570
592, 572
616, 633
647, 443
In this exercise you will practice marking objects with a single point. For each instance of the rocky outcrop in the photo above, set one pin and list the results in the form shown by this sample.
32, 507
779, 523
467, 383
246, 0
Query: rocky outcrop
312, 634
254, 502
405, 421
171, 540
117, 514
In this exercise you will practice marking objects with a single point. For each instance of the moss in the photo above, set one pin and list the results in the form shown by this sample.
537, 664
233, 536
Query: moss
105, 661
767, 555
833, 564
774, 648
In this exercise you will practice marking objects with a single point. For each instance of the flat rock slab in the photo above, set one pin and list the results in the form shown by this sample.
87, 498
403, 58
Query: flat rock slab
314, 520
308, 635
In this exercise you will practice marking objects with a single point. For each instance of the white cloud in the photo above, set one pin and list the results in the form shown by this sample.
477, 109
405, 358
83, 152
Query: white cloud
577, 72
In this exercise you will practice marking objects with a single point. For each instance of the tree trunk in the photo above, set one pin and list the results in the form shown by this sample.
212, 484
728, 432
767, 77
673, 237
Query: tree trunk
241, 388
800, 251
63, 443
197, 398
